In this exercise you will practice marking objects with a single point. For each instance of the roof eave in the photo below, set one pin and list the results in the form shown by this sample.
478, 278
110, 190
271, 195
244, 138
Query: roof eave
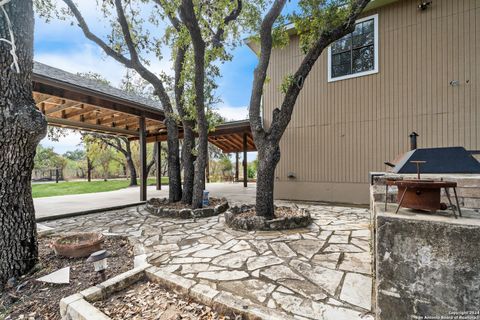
68, 86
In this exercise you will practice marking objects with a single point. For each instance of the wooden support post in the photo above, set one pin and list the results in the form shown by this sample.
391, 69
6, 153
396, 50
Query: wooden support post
207, 170
245, 174
143, 159
236, 166
159, 165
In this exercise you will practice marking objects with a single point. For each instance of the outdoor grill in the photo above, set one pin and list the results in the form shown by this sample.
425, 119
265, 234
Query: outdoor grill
437, 160
425, 194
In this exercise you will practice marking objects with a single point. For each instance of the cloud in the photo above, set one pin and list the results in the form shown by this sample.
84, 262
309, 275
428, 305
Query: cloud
84, 59
90, 58
233, 113
68, 143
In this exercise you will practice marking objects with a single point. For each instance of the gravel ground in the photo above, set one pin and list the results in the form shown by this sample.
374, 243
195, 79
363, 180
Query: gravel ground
149, 301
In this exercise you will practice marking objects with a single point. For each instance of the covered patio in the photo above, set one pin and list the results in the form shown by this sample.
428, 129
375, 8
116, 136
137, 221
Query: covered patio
71, 101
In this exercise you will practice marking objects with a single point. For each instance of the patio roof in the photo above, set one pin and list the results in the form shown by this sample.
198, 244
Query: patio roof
72, 101
228, 136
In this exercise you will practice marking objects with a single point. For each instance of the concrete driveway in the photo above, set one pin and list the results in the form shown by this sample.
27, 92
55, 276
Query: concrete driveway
61, 205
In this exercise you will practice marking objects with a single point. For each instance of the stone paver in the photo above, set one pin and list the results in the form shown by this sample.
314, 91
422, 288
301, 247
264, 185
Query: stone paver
321, 272
356, 290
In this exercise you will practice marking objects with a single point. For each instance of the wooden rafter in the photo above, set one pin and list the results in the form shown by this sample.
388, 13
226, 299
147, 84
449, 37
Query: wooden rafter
86, 110
63, 107
90, 127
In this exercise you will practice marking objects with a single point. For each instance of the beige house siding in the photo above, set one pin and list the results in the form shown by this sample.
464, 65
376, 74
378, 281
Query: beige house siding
342, 130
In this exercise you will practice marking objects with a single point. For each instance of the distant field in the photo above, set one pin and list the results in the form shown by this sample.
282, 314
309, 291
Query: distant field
42, 190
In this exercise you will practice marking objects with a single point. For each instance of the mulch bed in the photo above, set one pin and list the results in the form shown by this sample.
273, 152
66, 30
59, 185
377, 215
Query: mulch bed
148, 300
280, 212
30, 299
245, 218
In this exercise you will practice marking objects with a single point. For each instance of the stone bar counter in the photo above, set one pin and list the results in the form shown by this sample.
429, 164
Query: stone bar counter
427, 266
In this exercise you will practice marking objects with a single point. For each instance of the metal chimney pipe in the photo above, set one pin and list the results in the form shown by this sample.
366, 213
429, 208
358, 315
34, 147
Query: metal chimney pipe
413, 140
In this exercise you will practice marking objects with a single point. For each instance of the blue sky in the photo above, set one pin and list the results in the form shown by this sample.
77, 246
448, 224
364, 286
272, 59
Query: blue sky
64, 46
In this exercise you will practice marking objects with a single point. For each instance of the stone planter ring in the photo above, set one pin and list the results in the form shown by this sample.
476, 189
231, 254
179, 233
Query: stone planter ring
243, 218
160, 207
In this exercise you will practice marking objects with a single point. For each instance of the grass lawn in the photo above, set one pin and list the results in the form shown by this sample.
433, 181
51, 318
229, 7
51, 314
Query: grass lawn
41, 190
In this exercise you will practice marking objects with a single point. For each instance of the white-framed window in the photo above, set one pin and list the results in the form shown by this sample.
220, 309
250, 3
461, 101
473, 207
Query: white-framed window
356, 54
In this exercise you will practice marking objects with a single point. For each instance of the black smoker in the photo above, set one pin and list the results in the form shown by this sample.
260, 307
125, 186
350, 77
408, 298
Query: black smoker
435, 160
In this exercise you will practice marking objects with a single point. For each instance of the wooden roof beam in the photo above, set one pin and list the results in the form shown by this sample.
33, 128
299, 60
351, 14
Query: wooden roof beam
219, 145
119, 121
63, 107
86, 109
98, 114
40, 97
89, 126
229, 143
67, 91
238, 139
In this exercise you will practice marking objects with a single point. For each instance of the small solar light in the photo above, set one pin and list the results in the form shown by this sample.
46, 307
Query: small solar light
99, 259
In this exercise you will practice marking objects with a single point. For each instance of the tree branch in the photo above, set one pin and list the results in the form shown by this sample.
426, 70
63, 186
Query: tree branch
122, 20
327, 37
152, 162
179, 86
117, 145
260, 72
86, 31
133, 62
173, 19
218, 36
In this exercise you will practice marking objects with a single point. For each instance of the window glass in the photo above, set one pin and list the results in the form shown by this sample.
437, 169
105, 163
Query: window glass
355, 52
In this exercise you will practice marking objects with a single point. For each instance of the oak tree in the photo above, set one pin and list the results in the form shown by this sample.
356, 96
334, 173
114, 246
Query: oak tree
22, 126
318, 23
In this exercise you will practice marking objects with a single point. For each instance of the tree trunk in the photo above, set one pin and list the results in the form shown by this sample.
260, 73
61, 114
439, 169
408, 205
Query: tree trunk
188, 134
133, 172
174, 177
187, 14
105, 173
200, 164
268, 158
188, 164
22, 127
152, 162
124, 168
89, 169
130, 164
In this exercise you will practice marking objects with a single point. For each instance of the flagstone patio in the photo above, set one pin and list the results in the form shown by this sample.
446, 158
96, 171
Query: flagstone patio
320, 272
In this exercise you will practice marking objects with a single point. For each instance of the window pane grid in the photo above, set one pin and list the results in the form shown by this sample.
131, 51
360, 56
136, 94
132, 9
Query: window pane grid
354, 53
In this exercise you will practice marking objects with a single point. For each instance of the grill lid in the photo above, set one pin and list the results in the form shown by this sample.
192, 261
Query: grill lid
438, 160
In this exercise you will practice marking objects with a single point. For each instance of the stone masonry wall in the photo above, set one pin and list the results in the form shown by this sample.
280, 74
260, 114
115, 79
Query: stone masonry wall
426, 266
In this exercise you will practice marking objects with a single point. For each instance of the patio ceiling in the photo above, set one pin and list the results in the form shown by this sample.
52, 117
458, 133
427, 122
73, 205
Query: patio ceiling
71, 101
228, 136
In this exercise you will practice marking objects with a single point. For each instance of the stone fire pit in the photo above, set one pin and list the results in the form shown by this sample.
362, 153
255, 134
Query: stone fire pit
163, 208
244, 218
78, 245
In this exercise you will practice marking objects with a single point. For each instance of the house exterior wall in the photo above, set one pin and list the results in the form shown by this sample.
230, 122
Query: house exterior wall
342, 130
